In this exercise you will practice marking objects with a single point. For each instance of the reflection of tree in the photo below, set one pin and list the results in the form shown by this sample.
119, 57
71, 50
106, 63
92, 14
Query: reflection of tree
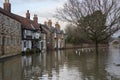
91, 66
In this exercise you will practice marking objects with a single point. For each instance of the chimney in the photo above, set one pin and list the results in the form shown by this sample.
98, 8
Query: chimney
45, 23
28, 14
7, 6
35, 18
57, 26
49, 23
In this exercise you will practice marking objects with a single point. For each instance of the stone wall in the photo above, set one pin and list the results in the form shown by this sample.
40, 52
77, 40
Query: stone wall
10, 33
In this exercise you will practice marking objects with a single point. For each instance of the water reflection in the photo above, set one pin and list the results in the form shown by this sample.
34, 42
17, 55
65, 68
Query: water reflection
113, 65
11, 69
63, 65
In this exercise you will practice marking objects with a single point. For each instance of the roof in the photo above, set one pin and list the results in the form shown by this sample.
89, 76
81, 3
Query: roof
8, 14
27, 23
52, 29
42, 29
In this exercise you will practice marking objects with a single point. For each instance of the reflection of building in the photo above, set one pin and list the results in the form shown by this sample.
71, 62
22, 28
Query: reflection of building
54, 35
10, 31
11, 69
42, 65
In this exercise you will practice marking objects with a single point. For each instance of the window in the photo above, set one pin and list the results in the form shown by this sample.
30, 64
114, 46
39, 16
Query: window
8, 22
28, 32
18, 26
7, 40
15, 25
24, 43
15, 41
0, 40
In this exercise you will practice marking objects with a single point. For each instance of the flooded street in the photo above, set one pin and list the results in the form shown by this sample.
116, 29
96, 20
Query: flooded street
63, 65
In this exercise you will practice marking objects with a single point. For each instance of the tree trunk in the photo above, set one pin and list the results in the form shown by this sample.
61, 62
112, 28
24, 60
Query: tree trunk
96, 47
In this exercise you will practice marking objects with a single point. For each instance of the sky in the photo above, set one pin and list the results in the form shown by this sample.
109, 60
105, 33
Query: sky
45, 9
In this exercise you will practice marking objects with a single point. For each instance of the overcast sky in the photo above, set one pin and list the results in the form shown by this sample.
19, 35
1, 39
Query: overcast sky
43, 8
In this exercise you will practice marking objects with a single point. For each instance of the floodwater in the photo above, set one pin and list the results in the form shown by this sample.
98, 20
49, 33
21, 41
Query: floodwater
63, 65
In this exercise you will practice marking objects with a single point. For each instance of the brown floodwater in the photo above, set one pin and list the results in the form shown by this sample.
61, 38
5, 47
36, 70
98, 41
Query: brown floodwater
63, 65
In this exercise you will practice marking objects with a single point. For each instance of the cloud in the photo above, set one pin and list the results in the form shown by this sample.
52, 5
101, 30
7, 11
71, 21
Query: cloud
43, 8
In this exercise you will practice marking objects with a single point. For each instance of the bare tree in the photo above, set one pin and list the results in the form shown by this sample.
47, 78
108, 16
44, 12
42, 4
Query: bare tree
74, 35
99, 19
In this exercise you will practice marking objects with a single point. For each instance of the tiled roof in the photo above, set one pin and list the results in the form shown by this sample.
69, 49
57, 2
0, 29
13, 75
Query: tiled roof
43, 28
27, 23
52, 29
8, 14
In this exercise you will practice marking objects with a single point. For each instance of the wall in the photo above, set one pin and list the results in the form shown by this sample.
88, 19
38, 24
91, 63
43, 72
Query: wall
10, 31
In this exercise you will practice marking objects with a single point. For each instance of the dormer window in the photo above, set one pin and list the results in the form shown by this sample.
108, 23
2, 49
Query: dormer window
28, 32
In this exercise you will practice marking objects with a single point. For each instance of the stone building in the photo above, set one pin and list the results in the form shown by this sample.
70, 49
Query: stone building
10, 32
43, 38
54, 36
31, 32
59, 40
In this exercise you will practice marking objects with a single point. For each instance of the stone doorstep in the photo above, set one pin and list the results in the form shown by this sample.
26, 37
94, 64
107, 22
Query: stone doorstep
6, 56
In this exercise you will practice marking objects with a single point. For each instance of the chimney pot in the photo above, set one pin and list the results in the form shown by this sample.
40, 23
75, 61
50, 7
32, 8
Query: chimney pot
28, 14
35, 18
57, 26
49, 23
7, 6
